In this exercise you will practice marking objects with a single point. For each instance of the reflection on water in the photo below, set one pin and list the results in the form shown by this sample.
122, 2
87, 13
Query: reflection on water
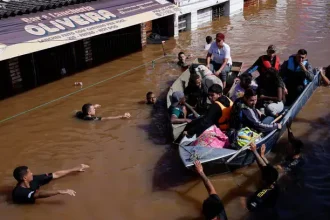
135, 172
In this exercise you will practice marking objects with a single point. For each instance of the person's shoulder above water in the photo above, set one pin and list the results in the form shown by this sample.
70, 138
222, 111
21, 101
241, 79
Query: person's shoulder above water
81, 116
213, 207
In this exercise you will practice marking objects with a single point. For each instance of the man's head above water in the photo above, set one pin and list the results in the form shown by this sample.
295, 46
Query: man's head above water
88, 109
151, 98
23, 174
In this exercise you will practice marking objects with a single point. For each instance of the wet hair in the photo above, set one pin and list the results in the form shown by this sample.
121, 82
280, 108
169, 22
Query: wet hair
269, 174
211, 208
20, 172
249, 93
179, 54
84, 111
215, 88
246, 78
149, 94
208, 39
297, 146
302, 52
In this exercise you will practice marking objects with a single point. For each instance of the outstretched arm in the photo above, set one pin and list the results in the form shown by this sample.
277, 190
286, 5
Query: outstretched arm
324, 77
207, 183
253, 148
61, 173
49, 193
126, 115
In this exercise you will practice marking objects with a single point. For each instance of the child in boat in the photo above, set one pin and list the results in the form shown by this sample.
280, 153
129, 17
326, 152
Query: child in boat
212, 206
264, 199
178, 109
151, 98
208, 43
88, 110
238, 90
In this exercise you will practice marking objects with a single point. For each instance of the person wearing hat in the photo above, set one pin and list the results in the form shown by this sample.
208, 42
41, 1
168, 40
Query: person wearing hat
265, 62
178, 109
221, 60
213, 208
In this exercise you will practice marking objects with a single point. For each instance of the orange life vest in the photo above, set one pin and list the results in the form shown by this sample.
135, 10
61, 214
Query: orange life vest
224, 120
266, 63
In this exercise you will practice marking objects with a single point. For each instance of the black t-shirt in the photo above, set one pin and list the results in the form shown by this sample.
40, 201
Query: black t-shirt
263, 198
80, 115
213, 207
23, 195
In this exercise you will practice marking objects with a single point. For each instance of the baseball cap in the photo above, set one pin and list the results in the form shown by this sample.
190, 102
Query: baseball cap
220, 36
176, 97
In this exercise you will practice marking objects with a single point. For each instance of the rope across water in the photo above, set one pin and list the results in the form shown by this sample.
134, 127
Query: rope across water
82, 89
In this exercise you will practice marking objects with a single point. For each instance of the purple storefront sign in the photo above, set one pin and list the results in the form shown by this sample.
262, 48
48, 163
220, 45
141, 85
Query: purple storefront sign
60, 26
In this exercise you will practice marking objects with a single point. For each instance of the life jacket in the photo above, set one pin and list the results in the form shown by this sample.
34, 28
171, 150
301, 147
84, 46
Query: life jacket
291, 64
223, 122
266, 64
297, 69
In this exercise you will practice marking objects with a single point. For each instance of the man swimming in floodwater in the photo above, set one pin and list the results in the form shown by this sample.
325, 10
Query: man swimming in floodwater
151, 98
87, 113
27, 188
213, 208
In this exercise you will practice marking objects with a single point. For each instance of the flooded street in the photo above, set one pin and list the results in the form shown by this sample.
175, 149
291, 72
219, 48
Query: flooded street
135, 173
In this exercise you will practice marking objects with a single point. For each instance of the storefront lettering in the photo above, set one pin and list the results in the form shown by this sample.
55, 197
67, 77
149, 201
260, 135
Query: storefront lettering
73, 21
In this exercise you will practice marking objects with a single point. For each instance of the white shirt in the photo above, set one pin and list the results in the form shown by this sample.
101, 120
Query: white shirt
207, 47
220, 54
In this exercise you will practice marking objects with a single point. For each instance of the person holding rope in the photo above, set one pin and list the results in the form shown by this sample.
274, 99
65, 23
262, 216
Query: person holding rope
213, 209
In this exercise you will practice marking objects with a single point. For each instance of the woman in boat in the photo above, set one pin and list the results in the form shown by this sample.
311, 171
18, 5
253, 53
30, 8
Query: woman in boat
218, 113
194, 93
245, 114
88, 112
178, 110
271, 93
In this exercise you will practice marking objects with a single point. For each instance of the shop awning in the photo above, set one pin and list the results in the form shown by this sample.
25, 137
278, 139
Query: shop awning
38, 31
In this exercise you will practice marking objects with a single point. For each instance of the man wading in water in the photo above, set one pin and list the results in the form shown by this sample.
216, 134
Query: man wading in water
212, 207
27, 188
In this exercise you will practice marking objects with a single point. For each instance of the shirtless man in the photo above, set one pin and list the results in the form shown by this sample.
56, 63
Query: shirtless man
88, 111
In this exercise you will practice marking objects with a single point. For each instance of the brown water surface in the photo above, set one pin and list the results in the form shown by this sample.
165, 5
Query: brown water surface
134, 173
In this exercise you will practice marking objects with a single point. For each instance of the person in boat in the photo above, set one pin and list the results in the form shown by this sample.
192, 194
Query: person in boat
264, 199
194, 93
151, 98
221, 60
27, 188
296, 72
218, 113
245, 82
245, 114
265, 62
294, 157
88, 110
178, 110
271, 93
325, 75
213, 208
208, 43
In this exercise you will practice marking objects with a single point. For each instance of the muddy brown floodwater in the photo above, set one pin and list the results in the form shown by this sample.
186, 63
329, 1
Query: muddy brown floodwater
134, 173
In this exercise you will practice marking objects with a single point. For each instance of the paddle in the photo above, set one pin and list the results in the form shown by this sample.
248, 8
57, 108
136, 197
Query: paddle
192, 110
280, 116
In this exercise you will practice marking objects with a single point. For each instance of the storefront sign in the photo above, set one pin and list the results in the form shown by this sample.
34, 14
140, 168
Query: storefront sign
25, 34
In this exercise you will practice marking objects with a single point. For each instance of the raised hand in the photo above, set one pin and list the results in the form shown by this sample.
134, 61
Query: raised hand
68, 192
